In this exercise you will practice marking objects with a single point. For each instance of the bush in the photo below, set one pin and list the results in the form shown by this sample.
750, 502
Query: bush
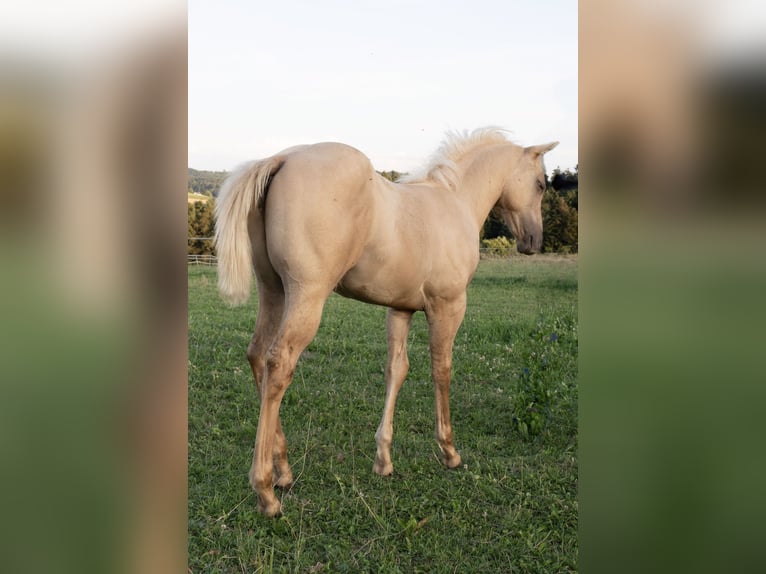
498, 246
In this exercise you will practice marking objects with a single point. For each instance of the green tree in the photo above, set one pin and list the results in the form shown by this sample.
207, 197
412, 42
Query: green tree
201, 224
494, 227
205, 182
559, 222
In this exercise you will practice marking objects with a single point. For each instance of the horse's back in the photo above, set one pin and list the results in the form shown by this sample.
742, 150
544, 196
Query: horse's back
323, 159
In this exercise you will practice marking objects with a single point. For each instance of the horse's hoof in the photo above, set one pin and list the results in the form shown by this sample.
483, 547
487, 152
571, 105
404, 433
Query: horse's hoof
383, 469
451, 461
271, 509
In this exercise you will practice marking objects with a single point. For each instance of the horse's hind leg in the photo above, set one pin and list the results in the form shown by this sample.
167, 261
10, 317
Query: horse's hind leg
397, 365
271, 304
299, 324
271, 300
443, 323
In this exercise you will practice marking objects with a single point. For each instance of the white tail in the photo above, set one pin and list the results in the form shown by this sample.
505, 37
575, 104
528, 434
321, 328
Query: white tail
241, 192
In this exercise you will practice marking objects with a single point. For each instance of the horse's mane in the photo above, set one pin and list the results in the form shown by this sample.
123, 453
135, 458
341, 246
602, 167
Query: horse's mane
442, 166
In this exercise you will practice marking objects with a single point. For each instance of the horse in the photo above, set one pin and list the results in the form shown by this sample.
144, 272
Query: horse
318, 218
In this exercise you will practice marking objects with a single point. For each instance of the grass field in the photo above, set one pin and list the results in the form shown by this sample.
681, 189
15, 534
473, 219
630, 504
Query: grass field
511, 507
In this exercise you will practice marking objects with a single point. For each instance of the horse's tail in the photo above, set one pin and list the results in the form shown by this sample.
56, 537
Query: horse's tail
243, 191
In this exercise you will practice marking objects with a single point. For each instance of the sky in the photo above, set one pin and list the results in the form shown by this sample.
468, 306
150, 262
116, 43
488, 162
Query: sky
387, 77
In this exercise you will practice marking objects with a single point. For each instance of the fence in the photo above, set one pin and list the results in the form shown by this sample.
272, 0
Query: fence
194, 259
200, 258
484, 253
211, 260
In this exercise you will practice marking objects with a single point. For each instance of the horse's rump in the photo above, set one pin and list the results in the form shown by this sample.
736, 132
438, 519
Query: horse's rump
315, 205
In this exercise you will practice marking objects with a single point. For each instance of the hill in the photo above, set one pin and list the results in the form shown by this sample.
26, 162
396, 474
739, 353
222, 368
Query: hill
206, 182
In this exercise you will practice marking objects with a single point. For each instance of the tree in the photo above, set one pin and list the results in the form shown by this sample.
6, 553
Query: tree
200, 224
205, 182
565, 182
559, 222
494, 227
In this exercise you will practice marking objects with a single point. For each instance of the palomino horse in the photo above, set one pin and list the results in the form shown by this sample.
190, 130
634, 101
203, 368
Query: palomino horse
316, 219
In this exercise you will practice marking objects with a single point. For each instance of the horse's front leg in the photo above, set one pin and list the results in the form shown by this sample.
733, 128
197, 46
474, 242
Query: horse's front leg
397, 365
444, 319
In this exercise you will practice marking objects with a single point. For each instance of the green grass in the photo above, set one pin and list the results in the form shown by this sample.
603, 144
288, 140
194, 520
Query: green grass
511, 507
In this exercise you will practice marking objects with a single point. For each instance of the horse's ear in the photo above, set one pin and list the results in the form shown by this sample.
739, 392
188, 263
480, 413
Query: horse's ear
541, 149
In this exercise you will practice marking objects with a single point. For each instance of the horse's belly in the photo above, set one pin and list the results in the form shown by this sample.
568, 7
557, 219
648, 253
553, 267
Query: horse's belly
381, 288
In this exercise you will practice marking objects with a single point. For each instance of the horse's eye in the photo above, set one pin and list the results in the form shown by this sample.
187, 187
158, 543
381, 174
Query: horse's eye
540, 185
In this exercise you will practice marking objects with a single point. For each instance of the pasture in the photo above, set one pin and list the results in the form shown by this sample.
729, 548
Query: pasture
511, 507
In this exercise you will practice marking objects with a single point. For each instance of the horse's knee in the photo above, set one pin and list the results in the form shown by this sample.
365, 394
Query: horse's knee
442, 371
398, 369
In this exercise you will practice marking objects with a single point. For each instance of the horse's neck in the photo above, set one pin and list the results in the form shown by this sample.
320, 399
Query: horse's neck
483, 175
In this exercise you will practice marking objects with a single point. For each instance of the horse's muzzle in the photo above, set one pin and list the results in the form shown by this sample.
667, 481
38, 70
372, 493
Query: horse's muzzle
529, 244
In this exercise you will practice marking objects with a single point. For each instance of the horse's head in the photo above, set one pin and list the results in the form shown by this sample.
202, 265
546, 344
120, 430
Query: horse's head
522, 196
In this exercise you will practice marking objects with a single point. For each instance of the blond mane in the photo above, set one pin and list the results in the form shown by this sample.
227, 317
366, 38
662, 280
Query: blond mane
442, 167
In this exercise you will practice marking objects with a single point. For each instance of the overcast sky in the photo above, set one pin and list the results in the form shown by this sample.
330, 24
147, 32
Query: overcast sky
386, 76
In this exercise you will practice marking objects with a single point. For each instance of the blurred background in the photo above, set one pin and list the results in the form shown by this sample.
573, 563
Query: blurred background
92, 296
92, 182
672, 279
